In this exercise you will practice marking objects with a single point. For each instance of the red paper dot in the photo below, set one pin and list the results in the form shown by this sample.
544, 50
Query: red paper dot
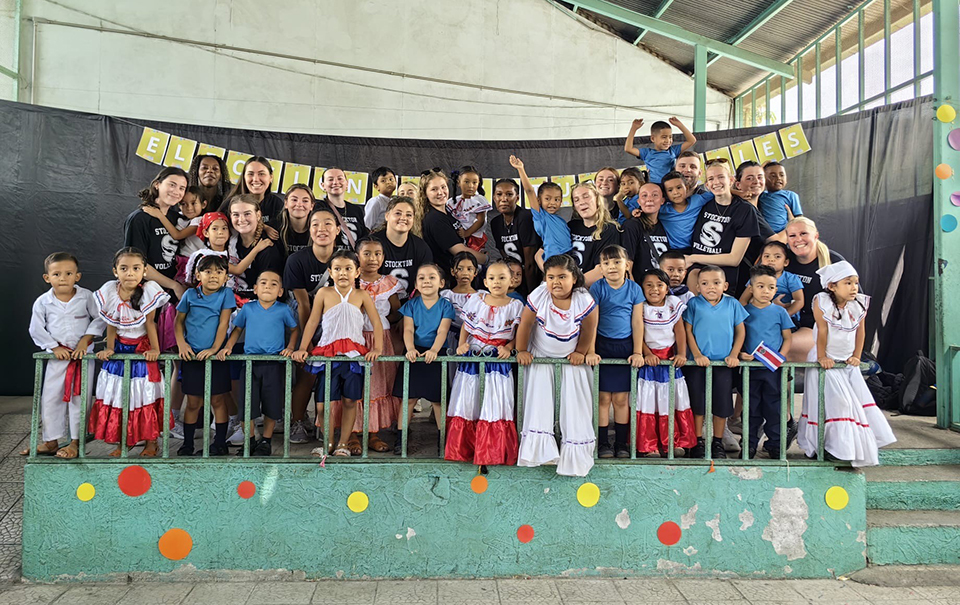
525, 533
246, 490
134, 481
669, 533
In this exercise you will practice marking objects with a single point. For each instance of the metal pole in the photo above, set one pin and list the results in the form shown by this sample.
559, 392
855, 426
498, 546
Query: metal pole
886, 50
700, 88
860, 59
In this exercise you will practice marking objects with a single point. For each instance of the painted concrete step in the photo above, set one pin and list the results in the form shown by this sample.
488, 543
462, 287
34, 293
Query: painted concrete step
901, 576
913, 488
919, 456
913, 537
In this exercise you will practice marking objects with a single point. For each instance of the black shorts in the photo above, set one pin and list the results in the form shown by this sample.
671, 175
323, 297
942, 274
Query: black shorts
425, 380
267, 387
346, 380
191, 377
614, 378
723, 378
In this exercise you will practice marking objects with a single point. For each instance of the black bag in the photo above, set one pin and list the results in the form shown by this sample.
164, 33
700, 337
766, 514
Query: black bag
918, 391
885, 388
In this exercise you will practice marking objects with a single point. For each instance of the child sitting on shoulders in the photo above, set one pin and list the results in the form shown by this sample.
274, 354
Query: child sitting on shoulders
385, 181
470, 207
778, 204
264, 323
661, 158
672, 263
714, 325
545, 205
854, 427
64, 321
484, 431
339, 311
769, 324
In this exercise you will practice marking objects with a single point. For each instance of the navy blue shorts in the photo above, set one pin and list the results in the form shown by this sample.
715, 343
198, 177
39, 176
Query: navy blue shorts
614, 379
191, 377
425, 380
268, 382
346, 380
723, 378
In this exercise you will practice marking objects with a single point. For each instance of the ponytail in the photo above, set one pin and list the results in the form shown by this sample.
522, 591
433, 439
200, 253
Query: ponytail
137, 297
823, 252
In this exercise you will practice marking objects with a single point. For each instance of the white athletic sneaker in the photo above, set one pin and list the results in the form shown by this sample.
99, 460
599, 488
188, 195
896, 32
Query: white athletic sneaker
177, 431
235, 432
730, 442
298, 432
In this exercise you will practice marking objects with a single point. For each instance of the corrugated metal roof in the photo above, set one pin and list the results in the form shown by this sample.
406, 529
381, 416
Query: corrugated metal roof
784, 35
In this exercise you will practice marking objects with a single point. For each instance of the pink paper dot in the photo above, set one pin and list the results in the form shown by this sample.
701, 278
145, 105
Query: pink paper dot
954, 139
955, 198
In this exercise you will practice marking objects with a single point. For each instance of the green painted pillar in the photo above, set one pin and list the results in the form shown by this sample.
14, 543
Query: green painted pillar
700, 89
946, 238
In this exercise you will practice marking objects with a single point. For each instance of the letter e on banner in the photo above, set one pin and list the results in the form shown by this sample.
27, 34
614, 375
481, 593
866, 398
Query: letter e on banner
180, 152
566, 183
208, 149
153, 144
235, 162
794, 141
768, 148
295, 174
277, 166
356, 187
743, 152
318, 191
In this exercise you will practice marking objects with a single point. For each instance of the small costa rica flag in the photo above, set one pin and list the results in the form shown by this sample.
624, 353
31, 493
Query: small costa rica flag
770, 358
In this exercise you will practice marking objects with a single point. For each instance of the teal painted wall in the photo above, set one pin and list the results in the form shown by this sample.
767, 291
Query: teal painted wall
424, 520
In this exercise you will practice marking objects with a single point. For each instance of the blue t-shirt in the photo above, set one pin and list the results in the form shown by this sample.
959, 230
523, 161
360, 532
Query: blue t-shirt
772, 207
203, 315
633, 203
554, 232
765, 325
713, 325
679, 225
787, 284
517, 296
265, 328
426, 321
659, 163
616, 307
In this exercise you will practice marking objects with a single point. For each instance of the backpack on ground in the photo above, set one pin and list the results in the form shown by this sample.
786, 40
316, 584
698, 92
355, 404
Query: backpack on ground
918, 391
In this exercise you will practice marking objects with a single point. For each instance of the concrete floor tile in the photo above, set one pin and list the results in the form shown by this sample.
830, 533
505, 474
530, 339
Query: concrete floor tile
827, 590
708, 590
10, 562
9, 443
10, 494
406, 591
93, 595
767, 590
11, 528
282, 593
534, 591
481, 591
15, 423
588, 591
888, 593
11, 469
346, 593
31, 595
653, 590
220, 593
157, 593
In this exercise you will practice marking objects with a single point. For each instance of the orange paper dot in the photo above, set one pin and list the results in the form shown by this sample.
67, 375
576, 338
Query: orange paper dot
943, 171
134, 481
479, 484
246, 489
669, 533
524, 533
175, 544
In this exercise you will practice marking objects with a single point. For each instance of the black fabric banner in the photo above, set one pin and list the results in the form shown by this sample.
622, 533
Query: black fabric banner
68, 180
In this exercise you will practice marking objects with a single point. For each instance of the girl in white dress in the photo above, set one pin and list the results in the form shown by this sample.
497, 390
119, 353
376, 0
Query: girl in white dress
464, 272
485, 432
855, 426
560, 321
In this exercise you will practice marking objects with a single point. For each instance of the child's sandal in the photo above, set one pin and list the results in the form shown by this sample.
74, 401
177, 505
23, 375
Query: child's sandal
353, 443
342, 450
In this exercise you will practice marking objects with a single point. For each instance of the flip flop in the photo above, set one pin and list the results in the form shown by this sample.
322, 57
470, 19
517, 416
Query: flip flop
40, 452
68, 452
354, 445
377, 444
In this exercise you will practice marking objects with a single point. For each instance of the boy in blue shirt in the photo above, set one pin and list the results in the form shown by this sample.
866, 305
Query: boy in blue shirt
661, 158
547, 222
680, 210
789, 288
714, 323
767, 323
775, 201
264, 323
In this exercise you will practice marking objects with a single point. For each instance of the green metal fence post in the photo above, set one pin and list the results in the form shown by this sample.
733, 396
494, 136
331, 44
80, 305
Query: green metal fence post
287, 405
165, 414
745, 415
247, 392
405, 409
367, 367
633, 409
327, 430
125, 411
595, 393
35, 408
442, 421
85, 384
205, 416
821, 413
671, 411
708, 414
786, 407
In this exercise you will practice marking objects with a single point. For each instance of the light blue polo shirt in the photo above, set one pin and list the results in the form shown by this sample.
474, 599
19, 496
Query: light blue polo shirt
713, 325
203, 315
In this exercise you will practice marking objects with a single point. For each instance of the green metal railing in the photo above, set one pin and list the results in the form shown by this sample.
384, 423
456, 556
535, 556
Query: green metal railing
786, 400
753, 108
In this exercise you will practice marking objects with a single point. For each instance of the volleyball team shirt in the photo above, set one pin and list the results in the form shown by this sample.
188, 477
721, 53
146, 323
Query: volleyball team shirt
586, 250
304, 271
295, 241
440, 234
510, 239
402, 262
718, 227
268, 259
147, 234
352, 217
640, 247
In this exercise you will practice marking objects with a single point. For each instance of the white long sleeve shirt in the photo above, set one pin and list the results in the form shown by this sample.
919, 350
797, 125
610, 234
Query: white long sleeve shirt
54, 322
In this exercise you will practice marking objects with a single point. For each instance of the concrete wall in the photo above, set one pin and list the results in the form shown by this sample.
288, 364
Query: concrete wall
424, 519
520, 45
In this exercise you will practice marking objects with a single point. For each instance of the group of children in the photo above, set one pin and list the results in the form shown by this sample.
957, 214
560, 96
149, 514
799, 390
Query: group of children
650, 320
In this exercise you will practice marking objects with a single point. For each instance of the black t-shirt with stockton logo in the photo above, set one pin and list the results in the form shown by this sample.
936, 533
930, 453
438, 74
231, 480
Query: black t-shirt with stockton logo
304, 271
295, 242
147, 234
440, 234
352, 216
510, 239
586, 250
403, 261
270, 207
641, 247
718, 227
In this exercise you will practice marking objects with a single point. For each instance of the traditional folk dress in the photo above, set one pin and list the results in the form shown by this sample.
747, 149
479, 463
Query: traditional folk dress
384, 407
653, 384
146, 384
341, 334
855, 426
556, 335
458, 300
484, 432
465, 210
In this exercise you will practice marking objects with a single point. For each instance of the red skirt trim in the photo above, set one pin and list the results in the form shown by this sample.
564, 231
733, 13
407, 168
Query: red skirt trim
653, 432
342, 346
461, 436
496, 443
143, 423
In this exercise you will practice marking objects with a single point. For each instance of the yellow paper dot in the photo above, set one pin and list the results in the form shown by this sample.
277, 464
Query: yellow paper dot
946, 113
588, 495
358, 502
837, 498
86, 492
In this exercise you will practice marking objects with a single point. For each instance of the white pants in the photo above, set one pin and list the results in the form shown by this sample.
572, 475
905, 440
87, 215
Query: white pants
54, 410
